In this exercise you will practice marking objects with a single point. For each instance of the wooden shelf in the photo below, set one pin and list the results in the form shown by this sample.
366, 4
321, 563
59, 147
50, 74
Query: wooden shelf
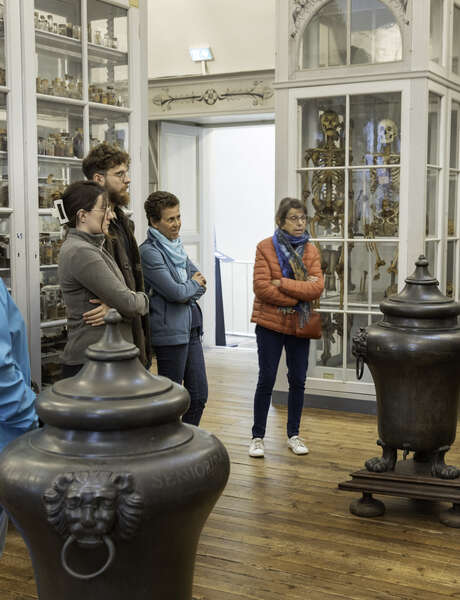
59, 159
55, 323
55, 42
95, 52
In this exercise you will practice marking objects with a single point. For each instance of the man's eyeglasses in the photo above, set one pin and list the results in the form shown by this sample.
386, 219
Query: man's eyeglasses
301, 219
122, 175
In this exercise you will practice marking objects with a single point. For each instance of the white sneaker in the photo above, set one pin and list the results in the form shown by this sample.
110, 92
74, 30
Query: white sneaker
297, 445
256, 448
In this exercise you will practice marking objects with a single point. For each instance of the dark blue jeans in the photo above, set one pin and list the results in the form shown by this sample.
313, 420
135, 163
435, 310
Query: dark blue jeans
184, 364
269, 346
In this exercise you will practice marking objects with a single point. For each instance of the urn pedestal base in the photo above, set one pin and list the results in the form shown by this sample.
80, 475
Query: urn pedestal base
410, 480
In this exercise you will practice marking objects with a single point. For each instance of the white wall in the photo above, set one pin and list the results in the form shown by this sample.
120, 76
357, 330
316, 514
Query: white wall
242, 187
240, 190
241, 34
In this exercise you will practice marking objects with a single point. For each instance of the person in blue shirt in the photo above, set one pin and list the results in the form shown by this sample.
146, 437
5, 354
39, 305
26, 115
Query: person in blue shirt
17, 400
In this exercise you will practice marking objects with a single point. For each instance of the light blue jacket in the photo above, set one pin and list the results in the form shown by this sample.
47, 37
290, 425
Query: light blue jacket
17, 410
170, 298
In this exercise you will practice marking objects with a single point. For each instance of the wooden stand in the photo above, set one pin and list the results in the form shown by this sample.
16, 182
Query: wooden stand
409, 479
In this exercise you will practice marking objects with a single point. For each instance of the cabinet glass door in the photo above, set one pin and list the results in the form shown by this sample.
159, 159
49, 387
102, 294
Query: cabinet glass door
58, 48
107, 54
82, 99
60, 149
349, 172
5, 209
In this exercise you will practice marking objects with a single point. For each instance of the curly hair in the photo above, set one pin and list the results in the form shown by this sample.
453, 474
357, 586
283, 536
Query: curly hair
103, 157
285, 206
156, 202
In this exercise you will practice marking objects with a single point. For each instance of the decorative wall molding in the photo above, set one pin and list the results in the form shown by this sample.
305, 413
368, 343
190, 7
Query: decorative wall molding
258, 94
210, 95
303, 10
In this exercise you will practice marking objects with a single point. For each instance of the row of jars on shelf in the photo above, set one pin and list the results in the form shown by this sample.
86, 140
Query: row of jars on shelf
62, 144
96, 36
104, 96
4, 252
53, 340
51, 303
47, 23
66, 28
3, 194
49, 192
49, 249
69, 87
3, 139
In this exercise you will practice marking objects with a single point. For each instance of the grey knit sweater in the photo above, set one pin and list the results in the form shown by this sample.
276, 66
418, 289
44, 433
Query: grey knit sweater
87, 271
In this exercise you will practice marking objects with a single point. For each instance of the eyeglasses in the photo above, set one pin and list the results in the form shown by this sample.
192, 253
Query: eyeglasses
104, 210
302, 219
122, 175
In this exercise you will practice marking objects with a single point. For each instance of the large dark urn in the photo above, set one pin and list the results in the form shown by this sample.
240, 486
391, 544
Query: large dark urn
111, 495
413, 354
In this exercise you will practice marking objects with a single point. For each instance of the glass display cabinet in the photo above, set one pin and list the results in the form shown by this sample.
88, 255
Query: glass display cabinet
5, 250
5, 210
373, 151
77, 81
12, 215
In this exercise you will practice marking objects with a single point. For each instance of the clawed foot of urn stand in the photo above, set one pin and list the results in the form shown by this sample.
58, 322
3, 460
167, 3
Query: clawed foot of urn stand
450, 517
386, 462
439, 467
367, 506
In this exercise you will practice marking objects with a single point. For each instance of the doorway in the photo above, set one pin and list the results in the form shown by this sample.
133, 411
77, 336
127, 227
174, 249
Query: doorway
223, 171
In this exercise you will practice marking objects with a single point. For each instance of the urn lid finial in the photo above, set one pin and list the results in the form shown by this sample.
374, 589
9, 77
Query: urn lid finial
421, 297
112, 345
112, 390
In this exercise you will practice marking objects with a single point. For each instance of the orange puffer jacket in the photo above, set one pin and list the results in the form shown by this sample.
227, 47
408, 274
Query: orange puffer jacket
268, 298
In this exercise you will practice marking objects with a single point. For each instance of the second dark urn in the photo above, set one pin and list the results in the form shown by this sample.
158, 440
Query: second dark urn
413, 355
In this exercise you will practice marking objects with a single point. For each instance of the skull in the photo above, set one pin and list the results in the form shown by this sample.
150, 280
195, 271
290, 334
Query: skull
387, 131
330, 122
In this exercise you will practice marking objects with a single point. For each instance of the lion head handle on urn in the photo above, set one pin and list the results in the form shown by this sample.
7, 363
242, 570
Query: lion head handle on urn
89, 508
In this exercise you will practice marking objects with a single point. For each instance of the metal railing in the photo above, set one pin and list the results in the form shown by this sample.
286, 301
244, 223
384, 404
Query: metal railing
237, 297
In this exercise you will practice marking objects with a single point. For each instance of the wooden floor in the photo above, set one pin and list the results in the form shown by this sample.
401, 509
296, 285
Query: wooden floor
281, 529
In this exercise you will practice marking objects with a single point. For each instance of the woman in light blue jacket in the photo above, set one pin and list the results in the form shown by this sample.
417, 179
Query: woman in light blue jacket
17, 408
174, 285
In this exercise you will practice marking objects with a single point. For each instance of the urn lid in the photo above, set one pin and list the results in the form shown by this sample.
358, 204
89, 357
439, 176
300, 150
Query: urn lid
113, 390
421, 297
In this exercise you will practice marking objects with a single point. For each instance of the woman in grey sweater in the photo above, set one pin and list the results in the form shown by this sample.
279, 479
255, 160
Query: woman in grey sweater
87, 271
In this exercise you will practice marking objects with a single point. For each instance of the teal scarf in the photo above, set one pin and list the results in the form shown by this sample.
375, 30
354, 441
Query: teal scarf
175, 251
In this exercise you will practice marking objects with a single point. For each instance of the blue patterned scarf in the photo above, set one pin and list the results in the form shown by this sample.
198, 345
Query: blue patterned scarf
289, 250
175, 251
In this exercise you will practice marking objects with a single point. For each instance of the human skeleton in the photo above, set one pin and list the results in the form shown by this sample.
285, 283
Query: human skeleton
384, 185
328, 183
328, 201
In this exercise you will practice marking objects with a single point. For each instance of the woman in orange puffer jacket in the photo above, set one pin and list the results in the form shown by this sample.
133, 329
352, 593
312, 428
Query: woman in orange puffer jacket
287, 277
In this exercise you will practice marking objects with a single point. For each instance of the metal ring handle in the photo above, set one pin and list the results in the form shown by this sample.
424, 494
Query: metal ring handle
70, 540
359, 367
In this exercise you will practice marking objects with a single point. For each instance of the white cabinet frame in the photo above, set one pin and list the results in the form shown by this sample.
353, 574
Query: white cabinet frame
25, 126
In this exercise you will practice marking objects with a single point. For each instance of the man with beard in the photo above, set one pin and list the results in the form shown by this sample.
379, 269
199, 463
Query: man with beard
108, 166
